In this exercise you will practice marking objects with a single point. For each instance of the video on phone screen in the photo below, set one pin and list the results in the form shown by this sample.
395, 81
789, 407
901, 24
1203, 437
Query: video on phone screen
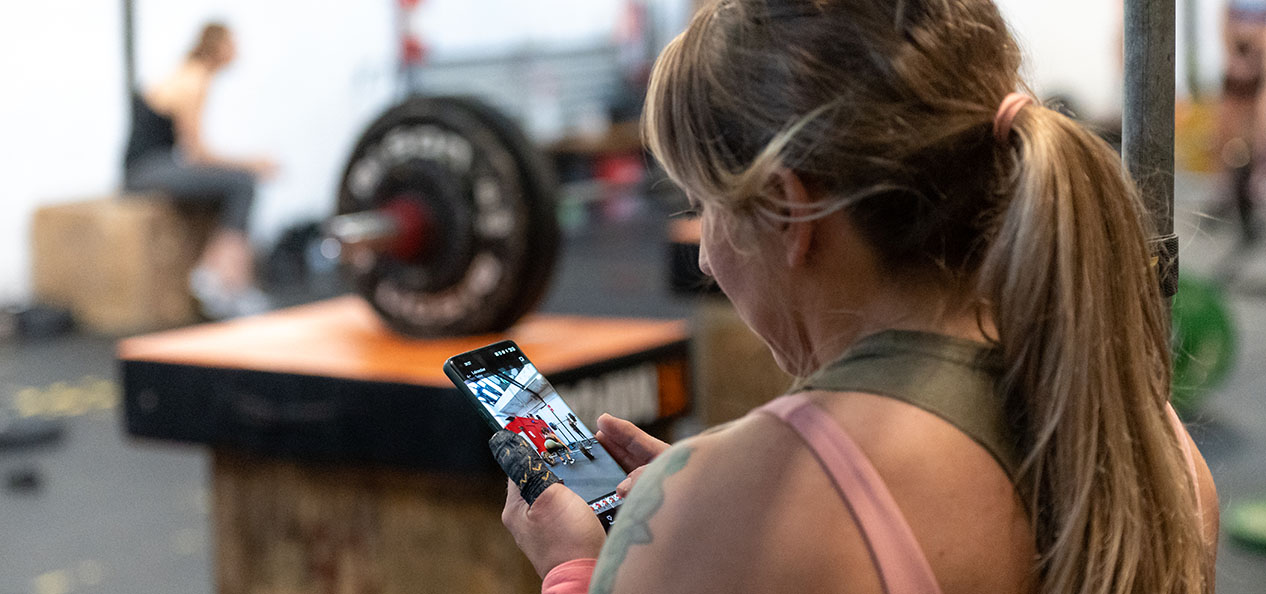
523, 401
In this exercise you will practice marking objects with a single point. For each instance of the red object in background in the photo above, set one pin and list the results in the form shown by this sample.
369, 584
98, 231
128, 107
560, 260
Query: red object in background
412, 50
534, 429
631, 28
620, 174
409, 4
620, 170
415, 237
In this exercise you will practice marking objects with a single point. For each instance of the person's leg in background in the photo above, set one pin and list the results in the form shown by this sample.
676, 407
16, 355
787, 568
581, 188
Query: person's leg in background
228, 254
223, 280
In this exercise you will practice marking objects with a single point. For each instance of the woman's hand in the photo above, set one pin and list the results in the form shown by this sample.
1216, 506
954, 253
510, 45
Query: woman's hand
631, 447
626, 485
558, 527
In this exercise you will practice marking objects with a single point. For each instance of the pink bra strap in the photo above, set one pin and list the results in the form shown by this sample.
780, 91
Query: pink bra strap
898, 558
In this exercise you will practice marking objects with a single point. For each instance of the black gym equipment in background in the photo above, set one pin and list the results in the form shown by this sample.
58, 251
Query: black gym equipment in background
447, 217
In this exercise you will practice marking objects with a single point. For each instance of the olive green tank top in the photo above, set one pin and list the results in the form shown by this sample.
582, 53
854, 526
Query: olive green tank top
952, 378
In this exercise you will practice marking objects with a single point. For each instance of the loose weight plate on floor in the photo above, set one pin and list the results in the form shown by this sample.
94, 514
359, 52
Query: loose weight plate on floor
473, 201
1246, 523
1204, 341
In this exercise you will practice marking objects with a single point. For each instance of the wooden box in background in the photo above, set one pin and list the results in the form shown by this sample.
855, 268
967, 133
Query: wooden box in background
119, 264
344, 461
734, 370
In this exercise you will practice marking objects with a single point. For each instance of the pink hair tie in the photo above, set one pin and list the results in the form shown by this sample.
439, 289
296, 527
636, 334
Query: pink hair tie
1011, 106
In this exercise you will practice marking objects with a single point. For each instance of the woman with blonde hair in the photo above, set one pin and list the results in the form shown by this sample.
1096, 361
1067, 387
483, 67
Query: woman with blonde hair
963, 280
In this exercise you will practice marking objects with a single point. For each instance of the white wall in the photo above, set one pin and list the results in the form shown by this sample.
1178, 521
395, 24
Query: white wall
312, 73
61, 115
1073, 48
467, 28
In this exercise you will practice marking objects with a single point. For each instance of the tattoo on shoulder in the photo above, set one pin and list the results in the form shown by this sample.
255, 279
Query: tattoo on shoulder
633, 525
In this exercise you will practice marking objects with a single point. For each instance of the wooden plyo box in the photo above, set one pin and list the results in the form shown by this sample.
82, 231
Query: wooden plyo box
734, 370
345, 461
120, 264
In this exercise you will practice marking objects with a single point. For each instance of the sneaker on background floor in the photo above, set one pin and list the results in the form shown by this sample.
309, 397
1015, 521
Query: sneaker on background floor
218, 302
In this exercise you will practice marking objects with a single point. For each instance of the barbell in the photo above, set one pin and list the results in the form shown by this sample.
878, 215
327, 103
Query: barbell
446, 218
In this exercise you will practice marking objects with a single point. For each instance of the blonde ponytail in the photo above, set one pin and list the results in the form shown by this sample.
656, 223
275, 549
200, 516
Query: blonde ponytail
1081, 324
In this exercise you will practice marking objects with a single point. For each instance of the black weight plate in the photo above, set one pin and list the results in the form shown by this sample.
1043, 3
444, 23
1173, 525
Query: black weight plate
446, 200
491, 198
542, 213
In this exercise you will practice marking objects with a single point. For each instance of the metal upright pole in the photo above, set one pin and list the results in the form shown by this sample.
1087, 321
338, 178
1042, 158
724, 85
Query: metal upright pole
129, 45
1148, 121
1190, 37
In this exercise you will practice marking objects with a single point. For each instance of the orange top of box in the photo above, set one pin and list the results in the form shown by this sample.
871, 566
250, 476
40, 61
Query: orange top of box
685, 230
344, 338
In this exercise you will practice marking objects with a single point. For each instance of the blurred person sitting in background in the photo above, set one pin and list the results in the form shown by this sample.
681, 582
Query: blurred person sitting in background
1240, 131
166, 153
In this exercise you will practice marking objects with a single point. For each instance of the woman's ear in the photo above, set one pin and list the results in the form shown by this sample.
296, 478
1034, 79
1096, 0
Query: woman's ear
798, 230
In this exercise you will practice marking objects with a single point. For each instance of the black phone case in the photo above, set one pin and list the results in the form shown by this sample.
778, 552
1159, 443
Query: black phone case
454, 375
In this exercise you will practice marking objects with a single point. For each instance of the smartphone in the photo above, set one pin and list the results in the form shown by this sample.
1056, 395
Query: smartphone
509, 393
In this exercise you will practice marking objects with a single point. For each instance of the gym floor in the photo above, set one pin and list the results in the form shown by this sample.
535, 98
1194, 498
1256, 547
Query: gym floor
97, 512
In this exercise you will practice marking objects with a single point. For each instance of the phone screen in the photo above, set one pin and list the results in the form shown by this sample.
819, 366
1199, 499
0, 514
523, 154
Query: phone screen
515, 396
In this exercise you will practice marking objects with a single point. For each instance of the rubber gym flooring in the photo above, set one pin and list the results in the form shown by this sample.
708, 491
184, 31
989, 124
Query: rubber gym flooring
96, 512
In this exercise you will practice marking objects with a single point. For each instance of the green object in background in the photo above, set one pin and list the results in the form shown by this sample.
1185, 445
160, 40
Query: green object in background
1204, 342
1245, 523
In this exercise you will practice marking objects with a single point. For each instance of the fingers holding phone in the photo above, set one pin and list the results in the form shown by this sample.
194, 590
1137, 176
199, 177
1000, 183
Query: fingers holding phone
626, 485
631, 447
538, 438
558, 527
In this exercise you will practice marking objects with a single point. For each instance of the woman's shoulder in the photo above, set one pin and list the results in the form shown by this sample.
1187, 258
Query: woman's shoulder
184, 87
730, 510
753, 499
957, 499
